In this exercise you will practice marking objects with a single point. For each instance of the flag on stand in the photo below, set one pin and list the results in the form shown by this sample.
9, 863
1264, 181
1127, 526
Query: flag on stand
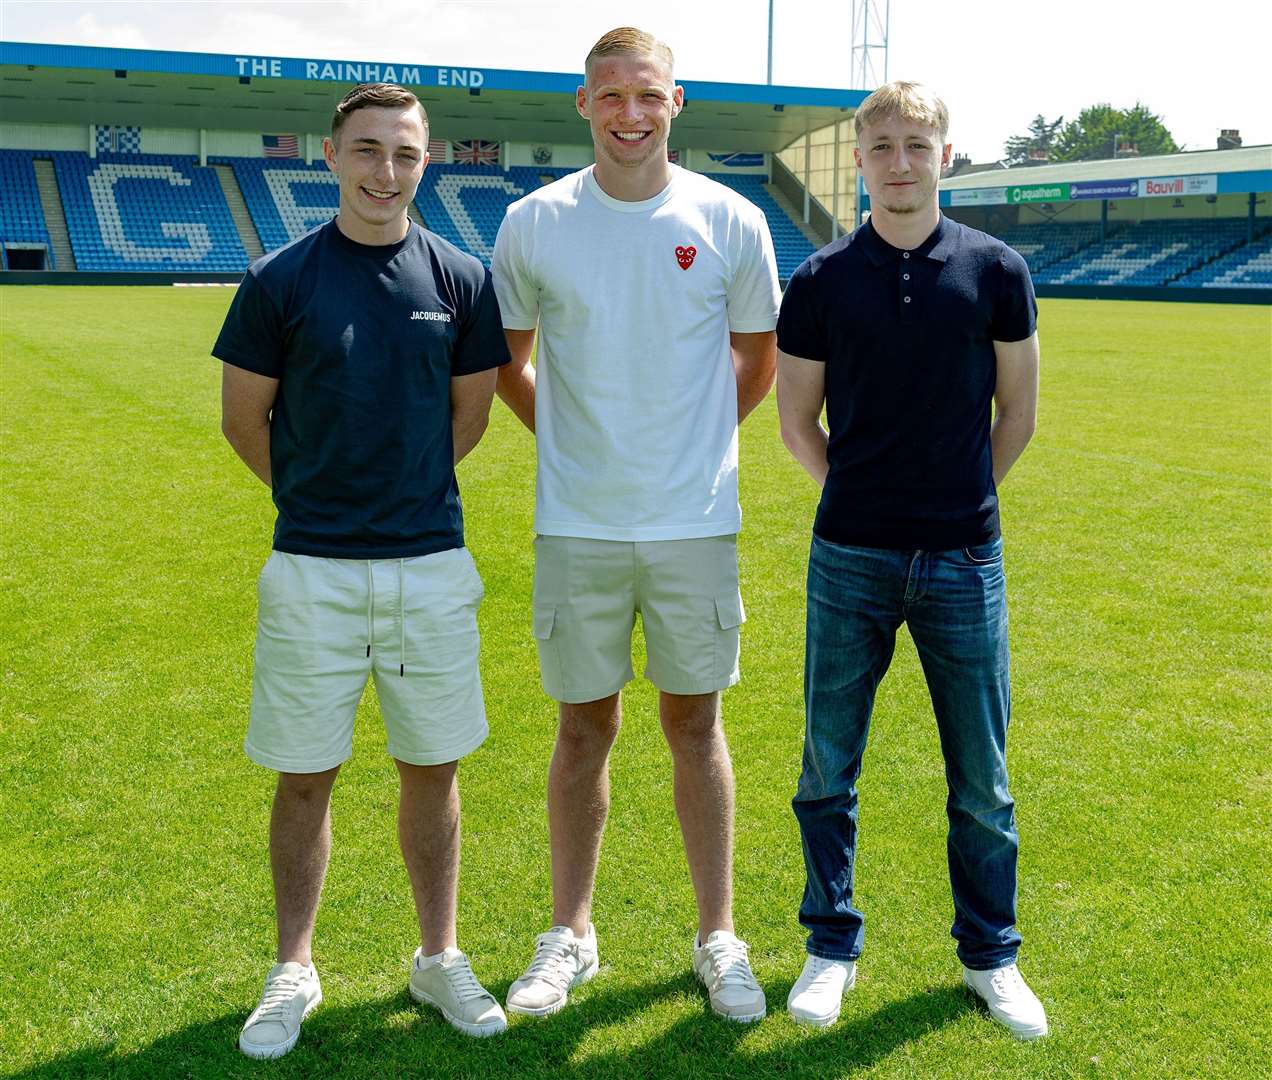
673, 156
437, 151
475, 152
281, 146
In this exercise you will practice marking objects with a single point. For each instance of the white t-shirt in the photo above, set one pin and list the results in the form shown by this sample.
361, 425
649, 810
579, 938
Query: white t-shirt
635, 399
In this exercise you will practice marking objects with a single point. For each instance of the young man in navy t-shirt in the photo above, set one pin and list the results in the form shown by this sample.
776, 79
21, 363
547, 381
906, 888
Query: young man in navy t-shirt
360, 363
911, 331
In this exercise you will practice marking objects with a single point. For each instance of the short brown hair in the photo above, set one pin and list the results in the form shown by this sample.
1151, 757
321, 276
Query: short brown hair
907, 100
375, 96
628, 41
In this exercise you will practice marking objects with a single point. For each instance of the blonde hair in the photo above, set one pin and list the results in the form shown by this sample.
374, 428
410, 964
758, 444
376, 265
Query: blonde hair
628, 41
906, 100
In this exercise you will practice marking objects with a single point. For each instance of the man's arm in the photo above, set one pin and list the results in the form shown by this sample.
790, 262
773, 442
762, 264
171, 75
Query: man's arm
754, 359
470, 397
516, 380
801, 392
1015, 402
246, 401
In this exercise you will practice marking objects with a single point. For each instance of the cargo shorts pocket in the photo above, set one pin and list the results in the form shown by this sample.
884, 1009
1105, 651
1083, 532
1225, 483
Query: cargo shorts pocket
548, 640
729, 618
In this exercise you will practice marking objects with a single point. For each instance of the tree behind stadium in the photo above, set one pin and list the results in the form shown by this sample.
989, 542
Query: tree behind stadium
1100, 129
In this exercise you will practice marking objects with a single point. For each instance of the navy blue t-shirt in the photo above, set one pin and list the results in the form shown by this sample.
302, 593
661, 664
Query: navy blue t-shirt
907, 338
364, 342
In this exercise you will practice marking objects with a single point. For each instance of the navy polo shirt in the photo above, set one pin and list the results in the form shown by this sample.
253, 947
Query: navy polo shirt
364, 341
907, 338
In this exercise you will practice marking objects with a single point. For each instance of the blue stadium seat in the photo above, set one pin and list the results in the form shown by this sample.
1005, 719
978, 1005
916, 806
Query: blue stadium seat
21, 214
140, 212
286, 197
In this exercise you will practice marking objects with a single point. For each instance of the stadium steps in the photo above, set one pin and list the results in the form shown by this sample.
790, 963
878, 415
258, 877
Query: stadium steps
248, 235
54, 218
795, 214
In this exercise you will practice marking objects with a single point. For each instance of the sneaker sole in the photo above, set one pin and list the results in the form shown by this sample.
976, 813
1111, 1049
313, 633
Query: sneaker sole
829, 1018
556, 1006
477, 1031
1024, 1034
264, 1053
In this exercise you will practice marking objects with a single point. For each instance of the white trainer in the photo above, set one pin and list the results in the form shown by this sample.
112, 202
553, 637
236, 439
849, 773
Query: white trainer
561, 961
722, 967
449, 985
1009, 999
819, 991
291, 993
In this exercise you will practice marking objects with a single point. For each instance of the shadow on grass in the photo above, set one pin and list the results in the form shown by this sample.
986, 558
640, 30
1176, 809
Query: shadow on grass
392, 1036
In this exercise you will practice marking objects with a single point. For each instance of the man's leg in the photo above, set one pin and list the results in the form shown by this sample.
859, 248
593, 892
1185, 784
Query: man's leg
959, 627
299, 847
578, 804
703, 781
428, 831
854, 607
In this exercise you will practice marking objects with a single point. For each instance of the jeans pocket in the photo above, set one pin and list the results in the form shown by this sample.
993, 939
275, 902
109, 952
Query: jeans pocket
984, 554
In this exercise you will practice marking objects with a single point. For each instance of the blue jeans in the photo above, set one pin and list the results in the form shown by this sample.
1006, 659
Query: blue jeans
955, 605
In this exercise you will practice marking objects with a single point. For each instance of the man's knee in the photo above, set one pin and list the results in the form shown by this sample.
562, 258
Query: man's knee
306, 787
589, 727
691, 722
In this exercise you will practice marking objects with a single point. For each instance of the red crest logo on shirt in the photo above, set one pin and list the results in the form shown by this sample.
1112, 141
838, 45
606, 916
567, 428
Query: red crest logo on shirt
685, 256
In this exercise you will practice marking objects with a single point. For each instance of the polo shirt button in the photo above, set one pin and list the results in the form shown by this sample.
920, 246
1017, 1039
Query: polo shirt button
905, 277
905, 254
907, 299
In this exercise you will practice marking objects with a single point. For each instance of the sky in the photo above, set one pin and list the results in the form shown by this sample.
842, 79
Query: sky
997, 63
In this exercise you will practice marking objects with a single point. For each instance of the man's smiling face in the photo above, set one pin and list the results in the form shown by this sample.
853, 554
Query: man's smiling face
630, 100
378, 157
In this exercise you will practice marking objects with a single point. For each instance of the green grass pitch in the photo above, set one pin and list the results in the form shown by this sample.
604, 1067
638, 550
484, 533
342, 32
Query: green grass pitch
135, 901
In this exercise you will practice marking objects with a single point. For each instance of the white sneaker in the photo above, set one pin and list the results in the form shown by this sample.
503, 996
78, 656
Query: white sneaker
560, 962
448, 984
722, 967
291, 993
818, 992
1010, 1001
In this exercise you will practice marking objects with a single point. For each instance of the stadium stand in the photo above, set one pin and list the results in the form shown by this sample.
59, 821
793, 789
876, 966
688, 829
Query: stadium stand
143, 212
1249, 267
1043, 245
1146, 253
21, 215
286, 197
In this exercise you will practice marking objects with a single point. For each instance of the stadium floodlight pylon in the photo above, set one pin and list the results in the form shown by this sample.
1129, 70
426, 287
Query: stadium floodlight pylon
870, 23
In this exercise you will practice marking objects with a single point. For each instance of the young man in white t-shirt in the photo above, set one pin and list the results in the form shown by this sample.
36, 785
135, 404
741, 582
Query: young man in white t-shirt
655, 295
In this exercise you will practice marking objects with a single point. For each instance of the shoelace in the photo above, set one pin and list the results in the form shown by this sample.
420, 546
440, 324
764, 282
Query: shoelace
729, 965
278, 995
1006, 981
823, 969
463, 982
549, 963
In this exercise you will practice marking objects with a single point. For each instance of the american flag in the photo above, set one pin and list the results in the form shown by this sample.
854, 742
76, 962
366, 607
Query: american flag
437, 151
281, 145
673, 156
475, 152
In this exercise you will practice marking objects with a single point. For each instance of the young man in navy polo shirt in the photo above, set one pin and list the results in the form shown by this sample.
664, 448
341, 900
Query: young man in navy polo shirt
360, 363
909, 330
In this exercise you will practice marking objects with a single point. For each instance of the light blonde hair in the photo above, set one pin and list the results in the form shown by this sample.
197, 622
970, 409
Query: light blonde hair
906, 100
628, 41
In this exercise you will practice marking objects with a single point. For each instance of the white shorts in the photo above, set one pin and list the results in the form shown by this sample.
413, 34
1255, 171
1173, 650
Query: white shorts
325, 625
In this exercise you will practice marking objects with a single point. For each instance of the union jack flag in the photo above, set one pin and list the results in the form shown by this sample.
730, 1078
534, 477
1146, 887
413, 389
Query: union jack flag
281, 146
475, 152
